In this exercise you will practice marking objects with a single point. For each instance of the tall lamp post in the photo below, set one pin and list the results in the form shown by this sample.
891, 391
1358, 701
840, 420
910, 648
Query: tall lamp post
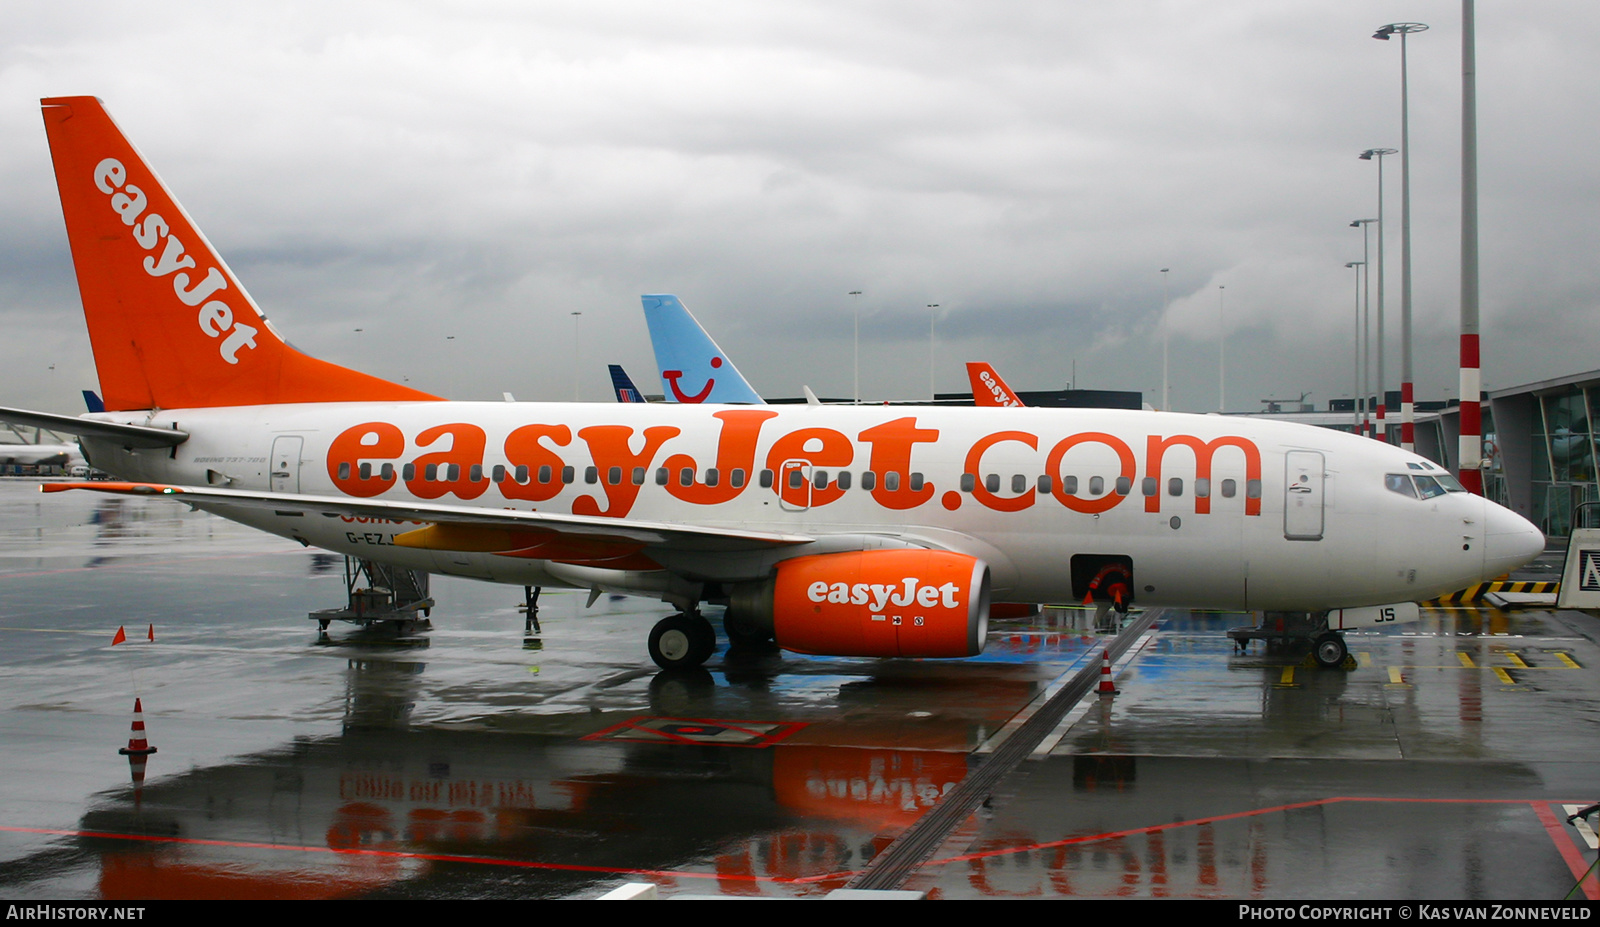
577, 355
1222, 354
931, 317
1407, 411
1166, 306
1368, 155
1355, 393
1366, 323
1470, 464
857, 308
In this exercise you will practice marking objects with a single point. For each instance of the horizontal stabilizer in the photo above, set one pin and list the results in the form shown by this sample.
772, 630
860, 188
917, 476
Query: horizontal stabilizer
126, 435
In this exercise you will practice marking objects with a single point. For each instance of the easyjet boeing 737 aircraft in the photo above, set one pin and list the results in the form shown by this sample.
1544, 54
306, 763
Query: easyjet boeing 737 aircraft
847, 530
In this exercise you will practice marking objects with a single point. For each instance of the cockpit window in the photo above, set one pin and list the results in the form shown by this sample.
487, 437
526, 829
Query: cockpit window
1450, 483
1400, 483
1428, 487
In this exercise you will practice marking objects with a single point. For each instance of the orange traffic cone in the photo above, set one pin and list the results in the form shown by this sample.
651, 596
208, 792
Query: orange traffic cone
1106, 688
137, 745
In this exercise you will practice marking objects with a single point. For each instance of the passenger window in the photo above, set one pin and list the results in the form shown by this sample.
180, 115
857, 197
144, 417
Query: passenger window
455, 473
498, 474
968, 482
409, 472
766, 479
712, 477
591, 475
843, 481
1124, 485
638, 476
992, 482
613, 476
569, 475
869, 480
916, 481
819, 479
1069, 485
366, 471
1175, 486
1044, 483
1147, 486
387, 472
1202, 488
344, 471
1229, 488
662, 476
1097, 485
891, 481
475, 474
796, 478
1252, 489
1019, 483
736, 477
430, 473
686, 476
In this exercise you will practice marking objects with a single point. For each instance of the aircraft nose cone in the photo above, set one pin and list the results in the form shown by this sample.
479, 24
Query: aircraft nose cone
1509, 540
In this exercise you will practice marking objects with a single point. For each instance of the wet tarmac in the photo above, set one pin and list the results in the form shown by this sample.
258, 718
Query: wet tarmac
477, 761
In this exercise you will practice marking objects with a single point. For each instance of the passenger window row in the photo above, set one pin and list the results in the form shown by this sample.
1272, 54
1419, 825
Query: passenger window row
822, 479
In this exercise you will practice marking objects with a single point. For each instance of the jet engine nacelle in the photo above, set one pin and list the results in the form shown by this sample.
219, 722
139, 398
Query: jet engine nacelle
876, 603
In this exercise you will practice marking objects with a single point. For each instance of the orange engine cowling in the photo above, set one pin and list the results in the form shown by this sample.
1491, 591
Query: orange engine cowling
877, 603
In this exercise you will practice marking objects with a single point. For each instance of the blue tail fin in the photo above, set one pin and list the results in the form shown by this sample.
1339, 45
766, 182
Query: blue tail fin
692, 367
623, 384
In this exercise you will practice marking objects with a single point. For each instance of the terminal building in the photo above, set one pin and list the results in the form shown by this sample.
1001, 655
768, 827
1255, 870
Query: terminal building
1539, 447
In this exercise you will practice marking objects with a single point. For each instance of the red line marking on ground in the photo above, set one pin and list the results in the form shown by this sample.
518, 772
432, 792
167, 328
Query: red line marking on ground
1554, 826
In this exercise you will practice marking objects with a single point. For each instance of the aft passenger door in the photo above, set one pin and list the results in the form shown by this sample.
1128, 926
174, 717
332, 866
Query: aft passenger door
1302, 496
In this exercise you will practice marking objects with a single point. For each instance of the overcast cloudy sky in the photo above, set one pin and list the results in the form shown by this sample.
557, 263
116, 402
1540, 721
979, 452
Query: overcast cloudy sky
483, 173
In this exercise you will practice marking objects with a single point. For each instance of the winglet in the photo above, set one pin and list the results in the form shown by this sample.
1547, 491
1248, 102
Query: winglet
170, 324
988, 389
692, 367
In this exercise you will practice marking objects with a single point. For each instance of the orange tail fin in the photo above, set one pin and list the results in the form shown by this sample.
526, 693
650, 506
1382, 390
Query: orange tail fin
170, 325
987, 387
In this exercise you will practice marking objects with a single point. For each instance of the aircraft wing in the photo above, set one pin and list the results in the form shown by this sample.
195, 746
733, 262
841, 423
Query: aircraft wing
127, 435
468, 528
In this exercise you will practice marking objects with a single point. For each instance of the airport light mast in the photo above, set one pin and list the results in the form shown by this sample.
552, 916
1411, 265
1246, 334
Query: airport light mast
1469, 467
1382, 433
1355, 403
1366, 323
1166, 307
856, 304
1407, 406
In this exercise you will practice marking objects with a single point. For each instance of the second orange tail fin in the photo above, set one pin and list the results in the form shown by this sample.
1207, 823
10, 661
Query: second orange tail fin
170, 325
988, 389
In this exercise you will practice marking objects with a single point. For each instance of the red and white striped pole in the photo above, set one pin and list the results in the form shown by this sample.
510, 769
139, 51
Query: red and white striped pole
1471, 447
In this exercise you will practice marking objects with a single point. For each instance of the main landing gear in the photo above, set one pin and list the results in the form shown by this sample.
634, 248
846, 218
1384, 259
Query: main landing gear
682, 641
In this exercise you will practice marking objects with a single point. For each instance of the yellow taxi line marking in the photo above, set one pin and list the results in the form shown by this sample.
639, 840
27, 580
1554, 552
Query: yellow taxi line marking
1505, 677
1568, 661
1466, 659
1395, 679
1286, 679
1517, 659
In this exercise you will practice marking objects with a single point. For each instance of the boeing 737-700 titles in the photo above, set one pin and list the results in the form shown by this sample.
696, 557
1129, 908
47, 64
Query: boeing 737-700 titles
846, 530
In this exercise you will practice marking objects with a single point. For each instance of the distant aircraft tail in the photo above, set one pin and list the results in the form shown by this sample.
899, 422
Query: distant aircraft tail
692, 367
170, 325
623, 384
988, 389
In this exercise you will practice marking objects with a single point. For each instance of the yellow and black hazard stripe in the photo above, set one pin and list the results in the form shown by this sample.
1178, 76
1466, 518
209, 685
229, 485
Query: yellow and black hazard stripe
1477, 591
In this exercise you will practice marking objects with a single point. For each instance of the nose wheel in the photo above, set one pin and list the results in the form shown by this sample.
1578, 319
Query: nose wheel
1329, 650
682, 641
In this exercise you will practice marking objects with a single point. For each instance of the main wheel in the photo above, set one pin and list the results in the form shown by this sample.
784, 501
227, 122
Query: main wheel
682, 641
1330, 651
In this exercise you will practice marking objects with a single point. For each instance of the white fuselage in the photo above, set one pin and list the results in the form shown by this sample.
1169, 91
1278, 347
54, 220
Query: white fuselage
1245, 513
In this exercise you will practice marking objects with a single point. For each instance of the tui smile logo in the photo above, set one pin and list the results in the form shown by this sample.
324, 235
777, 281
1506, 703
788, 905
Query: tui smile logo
673, 376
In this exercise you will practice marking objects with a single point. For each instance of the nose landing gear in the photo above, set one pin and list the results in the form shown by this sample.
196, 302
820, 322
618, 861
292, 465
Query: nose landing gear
682, 641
